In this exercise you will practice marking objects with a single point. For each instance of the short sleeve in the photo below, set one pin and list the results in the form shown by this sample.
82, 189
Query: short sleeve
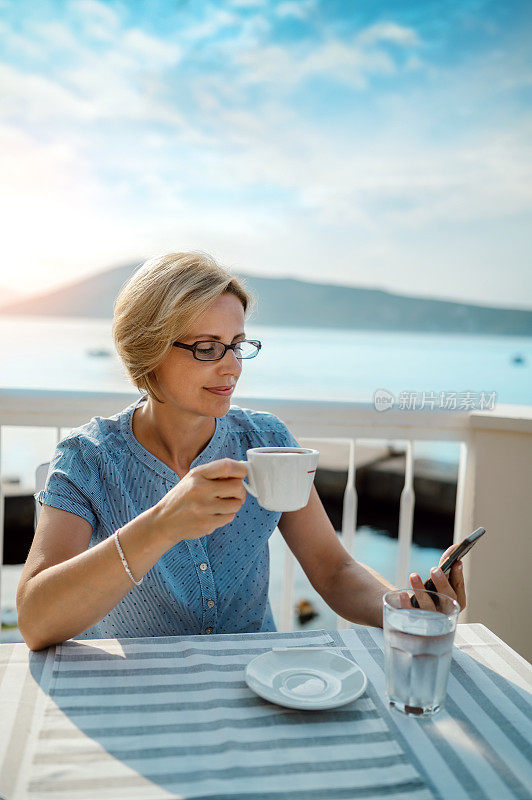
282, 434
73, 480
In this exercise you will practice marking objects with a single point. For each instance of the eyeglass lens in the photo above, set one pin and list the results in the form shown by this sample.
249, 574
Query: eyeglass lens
209, 351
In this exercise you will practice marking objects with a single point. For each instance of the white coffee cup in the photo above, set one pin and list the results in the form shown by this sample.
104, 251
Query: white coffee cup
281, 477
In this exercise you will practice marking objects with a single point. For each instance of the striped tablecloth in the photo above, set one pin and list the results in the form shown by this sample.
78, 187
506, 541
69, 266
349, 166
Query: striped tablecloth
148, 719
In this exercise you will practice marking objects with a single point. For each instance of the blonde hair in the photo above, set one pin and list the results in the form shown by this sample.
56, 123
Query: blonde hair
158, 304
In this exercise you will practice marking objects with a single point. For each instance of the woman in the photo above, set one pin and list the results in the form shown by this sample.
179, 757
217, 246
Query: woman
145, 527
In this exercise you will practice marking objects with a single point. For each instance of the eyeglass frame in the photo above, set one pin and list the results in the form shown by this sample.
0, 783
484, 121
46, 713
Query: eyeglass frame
192, 348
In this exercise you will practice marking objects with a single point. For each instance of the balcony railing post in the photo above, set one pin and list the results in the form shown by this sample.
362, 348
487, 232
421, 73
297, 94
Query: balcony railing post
287, 598
2, 517
495, 492
349, 516
462, 524
406, 519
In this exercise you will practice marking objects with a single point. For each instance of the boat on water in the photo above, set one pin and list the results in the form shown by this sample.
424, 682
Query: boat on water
99, 352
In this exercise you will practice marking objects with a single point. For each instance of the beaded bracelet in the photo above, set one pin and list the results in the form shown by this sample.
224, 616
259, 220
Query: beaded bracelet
124, 562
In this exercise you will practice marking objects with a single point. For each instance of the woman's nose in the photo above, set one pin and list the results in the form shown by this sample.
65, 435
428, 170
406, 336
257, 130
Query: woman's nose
231, 362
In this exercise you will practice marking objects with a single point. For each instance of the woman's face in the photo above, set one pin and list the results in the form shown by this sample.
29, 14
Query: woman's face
185, 382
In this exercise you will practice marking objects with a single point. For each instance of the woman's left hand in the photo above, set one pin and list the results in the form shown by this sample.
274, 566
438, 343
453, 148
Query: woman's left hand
454, 587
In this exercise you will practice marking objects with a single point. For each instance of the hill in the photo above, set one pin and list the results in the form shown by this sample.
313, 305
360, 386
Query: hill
291, 302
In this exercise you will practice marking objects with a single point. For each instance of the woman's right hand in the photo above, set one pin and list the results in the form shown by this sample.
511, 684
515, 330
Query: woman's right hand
208, 497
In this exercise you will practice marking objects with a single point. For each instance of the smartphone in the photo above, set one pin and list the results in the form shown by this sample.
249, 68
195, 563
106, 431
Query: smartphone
463, 548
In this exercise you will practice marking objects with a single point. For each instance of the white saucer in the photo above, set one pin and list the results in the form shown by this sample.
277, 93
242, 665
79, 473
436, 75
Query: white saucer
305, 677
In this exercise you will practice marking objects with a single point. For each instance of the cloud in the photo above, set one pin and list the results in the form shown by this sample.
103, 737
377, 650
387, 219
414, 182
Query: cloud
152, 140
157, 52
247, 4
215, 20
128, 46
394, 181
388, 32
100, 20
298, 9
33, 99
284, 68
95, 92
55, 38
390, 180
18, 44
97, 84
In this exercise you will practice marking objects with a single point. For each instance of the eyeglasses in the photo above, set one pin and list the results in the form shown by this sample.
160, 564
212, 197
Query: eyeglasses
214, 351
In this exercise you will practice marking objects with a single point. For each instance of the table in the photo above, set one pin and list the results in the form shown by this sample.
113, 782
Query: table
171, 717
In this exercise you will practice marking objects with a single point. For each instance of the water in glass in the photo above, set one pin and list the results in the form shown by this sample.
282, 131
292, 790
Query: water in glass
418, 658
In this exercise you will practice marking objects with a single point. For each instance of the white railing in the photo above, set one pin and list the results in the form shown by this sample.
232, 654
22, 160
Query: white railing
495, 464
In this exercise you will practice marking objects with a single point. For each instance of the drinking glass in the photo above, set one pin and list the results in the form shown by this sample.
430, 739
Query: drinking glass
418, 650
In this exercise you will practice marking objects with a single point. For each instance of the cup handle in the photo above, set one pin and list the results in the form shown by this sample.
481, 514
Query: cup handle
250, 487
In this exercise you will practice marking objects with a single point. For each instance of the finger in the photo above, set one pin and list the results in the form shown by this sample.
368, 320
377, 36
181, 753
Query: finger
441, 583
458, 584
221, 520
421, 596
448, 552
224, 505
223, 468
404, 600
229, 487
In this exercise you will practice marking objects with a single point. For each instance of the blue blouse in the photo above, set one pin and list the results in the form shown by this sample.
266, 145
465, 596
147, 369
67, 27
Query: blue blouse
215, 584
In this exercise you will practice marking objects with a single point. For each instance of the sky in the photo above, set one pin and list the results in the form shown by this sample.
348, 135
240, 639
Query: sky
379, 144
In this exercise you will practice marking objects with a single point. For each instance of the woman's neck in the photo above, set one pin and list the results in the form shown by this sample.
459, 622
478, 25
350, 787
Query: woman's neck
175, 437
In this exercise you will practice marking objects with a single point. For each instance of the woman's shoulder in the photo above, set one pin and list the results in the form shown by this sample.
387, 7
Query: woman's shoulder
249, 420
98, 434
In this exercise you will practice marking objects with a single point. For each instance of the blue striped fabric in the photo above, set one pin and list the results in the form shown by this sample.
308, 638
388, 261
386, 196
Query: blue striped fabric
102, 473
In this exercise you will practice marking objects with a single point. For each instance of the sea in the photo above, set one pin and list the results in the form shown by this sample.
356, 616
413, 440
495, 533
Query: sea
415, 369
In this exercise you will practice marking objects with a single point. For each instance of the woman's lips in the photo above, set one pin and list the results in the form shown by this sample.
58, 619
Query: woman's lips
227, 391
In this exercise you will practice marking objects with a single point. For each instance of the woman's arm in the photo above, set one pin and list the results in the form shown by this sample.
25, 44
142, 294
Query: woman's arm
353, 590
66, 588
